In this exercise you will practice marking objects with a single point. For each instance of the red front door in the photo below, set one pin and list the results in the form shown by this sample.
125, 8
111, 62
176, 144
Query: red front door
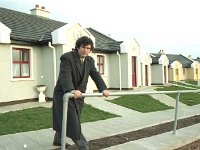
165, 74
134, 83
146, 75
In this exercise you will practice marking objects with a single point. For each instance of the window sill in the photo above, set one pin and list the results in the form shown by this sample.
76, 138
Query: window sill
22, 79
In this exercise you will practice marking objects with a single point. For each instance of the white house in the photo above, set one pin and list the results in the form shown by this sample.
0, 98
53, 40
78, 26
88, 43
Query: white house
159, 68
135, 70
31, 46
183, 68
173, 67
26, 56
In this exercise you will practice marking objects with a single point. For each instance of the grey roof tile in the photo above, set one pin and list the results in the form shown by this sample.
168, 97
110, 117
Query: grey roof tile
198, 59
155, 57
104, 43
186, 62
27, 27
35, 29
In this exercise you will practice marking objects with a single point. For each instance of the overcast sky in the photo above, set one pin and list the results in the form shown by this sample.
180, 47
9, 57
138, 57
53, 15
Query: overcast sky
171, 25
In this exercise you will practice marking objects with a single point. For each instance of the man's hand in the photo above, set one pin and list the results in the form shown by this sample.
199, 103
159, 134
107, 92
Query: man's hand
77, 94
106, 93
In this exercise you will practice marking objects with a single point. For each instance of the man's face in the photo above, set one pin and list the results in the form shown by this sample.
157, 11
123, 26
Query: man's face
84, 50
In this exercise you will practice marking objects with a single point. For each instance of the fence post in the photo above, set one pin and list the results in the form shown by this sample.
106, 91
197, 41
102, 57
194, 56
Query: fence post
176, 112
64, 120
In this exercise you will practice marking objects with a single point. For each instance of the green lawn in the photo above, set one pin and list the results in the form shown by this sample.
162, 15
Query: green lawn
192, 84
141, 103
25, 120
41, 118
186, 98
91, 114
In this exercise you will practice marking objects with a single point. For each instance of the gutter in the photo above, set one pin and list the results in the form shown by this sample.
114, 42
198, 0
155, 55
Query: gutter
120, 72
54, 62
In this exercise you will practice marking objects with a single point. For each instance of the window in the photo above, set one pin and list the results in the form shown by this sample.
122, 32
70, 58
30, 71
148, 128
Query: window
100, 64
177, 72
21, 62
183, 71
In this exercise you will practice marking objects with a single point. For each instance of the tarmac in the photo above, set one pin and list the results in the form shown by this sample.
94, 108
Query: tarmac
129, 120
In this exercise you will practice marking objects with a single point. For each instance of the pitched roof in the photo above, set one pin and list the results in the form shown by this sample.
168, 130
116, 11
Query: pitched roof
186, 62
36, 29
104, 43
27, 27
198, 59
155, 57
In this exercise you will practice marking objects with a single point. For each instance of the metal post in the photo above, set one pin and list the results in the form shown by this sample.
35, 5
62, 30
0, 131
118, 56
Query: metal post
69, 95
64, 120
176, 112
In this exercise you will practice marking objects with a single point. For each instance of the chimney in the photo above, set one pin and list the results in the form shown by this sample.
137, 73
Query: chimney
190, 56
161, 52
40, 11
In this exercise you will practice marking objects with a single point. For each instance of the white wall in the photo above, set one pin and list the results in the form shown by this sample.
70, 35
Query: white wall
17, 89
145, 60
196, 66
156, 74
47, 70
114, 70
143, 76
157, 70
172, 71
126, 71
91, 85
130, 48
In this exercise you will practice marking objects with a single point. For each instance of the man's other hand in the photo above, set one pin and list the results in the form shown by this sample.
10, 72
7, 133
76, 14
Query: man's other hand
77, 94
106, 93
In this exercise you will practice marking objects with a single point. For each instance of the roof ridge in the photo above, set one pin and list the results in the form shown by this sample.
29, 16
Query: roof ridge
102, 34
33, 16
186, 57
27, 27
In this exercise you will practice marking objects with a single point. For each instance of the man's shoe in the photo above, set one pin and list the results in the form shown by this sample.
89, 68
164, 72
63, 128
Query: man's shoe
57, 140
59, 144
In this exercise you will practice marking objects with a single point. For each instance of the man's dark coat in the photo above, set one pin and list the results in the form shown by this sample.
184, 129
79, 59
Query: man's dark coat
73, 76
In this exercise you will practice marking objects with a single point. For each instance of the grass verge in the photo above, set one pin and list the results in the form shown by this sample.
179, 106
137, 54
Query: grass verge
190, 84
141, 103
189, 99
193, 82
40, 118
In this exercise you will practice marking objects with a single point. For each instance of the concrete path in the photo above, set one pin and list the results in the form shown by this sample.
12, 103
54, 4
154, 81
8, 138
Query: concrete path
130, 120
15, 107
166, 141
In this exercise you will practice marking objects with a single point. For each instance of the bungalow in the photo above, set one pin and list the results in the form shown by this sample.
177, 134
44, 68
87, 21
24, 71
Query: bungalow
198, 59
159, 68
31, 46
105, 55
136, 70
183, 68
105, 47
26, 57
109, 56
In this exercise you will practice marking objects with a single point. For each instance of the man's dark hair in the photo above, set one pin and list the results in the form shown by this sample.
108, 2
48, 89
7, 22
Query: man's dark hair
84, 40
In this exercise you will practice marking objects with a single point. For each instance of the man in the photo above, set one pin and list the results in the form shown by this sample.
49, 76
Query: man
75, 68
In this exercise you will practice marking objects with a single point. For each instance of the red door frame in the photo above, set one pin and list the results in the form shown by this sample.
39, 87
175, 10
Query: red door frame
146, 75
134, 78
165, 79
